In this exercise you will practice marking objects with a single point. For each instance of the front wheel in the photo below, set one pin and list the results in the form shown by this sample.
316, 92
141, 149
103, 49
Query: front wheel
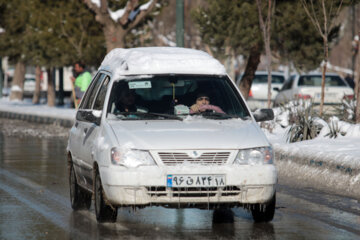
80, 198
104, 213
264, 212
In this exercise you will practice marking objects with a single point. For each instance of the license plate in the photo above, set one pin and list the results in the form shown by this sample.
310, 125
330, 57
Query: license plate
327, 95
195, 180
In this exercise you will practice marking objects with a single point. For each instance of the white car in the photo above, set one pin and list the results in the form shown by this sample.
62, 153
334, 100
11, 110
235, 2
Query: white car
258, 94
136, 141
29, 84
308, 86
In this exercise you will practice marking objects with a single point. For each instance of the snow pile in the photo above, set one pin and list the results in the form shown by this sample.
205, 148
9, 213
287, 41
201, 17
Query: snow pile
161, 60
330, 164
27, 107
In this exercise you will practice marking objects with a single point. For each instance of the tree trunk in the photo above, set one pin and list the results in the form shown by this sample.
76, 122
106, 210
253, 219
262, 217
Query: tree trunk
17, 86
268, 67
114, 36
326, 53
357, 88
36, 96
357, 111
51, 89
251, 66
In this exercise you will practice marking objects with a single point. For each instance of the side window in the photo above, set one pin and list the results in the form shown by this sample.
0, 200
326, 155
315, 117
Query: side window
89, 98
100, 99
287, 85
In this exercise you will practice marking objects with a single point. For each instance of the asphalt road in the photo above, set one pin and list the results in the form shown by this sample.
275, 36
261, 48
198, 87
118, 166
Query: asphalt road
34, 203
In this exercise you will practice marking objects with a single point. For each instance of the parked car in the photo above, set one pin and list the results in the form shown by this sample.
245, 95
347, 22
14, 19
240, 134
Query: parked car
29, 85
258, 94
308, 86
139, 141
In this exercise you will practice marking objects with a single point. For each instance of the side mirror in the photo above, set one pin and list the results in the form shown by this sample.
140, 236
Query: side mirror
276, 89
265, 114
96, 116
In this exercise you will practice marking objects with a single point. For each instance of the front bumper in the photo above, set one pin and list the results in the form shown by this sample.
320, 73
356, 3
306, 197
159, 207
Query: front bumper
147, 186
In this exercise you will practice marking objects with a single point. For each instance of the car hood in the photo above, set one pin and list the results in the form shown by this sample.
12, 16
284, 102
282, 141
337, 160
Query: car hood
204, 134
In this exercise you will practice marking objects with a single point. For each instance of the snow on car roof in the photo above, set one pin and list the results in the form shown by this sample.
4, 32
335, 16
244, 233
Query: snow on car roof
160, 60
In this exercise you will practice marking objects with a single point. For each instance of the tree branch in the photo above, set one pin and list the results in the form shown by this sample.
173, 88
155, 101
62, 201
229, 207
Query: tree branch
70, 39
315, 21
141, 15
102, 13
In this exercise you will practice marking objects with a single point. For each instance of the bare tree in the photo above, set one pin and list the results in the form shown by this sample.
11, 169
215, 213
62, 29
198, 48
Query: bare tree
115, 31
265, 27
324, 24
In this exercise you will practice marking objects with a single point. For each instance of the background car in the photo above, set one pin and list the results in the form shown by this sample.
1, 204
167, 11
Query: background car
308, 86
258, 94
29, 85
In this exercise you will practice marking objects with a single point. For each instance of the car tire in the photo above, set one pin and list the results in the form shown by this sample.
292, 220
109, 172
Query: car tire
263, 213
79, 198
103, 212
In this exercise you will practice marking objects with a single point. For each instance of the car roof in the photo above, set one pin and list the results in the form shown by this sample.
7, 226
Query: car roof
318, 74
160, 60
274, 73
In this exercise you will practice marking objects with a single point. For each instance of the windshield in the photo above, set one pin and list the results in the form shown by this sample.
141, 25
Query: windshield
175, 96
260, 79
333, 81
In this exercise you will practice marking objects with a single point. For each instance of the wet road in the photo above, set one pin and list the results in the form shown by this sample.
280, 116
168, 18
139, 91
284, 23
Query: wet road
34, 204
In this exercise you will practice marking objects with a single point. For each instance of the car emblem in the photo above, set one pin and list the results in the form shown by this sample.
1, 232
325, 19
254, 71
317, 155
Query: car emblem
194, 154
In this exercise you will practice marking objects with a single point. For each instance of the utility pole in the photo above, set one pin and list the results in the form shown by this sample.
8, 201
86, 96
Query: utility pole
180, 23
61, 87
1, 78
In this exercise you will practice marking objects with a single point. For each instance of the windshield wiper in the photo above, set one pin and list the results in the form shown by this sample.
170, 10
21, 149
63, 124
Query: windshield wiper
142, 115
214, 115
164, 115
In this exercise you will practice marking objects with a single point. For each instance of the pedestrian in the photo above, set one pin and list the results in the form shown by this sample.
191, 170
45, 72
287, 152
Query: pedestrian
81, 81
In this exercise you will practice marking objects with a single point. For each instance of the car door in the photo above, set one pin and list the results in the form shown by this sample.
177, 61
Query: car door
287, 92
83, 118
76, 134
92, 127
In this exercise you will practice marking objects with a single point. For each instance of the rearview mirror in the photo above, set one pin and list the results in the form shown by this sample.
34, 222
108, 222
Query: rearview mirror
265, 114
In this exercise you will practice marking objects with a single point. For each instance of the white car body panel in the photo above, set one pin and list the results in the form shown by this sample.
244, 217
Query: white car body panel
200, 134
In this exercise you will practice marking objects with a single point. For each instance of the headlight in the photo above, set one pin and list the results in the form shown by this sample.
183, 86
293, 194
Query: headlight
131, 158
254, 156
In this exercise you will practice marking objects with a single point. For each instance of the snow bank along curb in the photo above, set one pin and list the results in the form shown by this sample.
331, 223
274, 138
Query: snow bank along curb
37, 118
311, 170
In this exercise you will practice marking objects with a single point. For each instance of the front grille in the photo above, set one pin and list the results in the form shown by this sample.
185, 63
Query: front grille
206, 158
193, 191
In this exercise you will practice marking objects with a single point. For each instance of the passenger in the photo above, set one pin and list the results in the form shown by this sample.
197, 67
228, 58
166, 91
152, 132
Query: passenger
126, 101
203, 104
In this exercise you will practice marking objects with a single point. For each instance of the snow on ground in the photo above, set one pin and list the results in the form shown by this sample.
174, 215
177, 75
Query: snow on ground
27, 107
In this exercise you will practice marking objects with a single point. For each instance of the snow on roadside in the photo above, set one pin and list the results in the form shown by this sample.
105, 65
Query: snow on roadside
27, 107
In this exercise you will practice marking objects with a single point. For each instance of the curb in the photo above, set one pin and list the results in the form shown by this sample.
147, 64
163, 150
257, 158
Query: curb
316, 172
318, 162
37, 119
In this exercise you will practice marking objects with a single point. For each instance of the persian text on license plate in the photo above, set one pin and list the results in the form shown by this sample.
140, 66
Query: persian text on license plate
195, 180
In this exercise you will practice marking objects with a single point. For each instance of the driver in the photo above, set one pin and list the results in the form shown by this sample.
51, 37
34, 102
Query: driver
203, 104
